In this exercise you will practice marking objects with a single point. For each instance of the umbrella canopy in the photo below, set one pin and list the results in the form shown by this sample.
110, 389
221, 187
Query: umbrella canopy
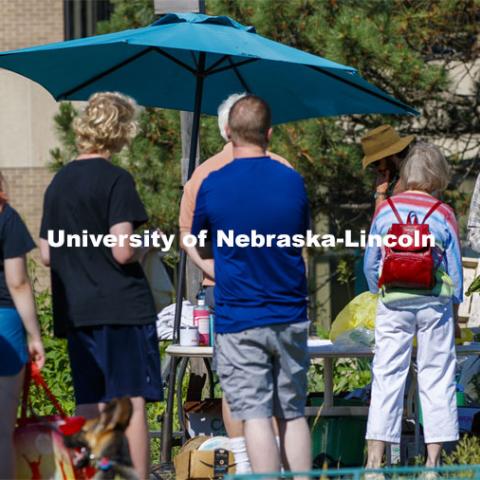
160, 66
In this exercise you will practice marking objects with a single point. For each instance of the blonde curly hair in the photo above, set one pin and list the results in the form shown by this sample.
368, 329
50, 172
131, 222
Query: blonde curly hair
107, 123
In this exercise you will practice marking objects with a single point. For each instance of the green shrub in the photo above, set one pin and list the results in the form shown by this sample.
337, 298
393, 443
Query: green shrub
56, 372
467, 452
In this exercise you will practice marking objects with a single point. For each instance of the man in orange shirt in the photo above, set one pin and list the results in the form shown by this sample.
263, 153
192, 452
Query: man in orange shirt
233, 427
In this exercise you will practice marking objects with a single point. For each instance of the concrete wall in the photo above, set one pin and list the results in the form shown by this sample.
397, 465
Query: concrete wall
26, 122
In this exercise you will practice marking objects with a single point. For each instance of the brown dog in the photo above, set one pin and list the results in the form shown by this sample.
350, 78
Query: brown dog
103, 444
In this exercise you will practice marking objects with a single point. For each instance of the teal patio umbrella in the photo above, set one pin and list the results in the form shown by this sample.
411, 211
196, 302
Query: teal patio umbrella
192, 62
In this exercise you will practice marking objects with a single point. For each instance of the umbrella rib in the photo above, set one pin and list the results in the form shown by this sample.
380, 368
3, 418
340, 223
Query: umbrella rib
363, 89
239, 76
175, 60
215, 64
67, 93
194, 59
234, 65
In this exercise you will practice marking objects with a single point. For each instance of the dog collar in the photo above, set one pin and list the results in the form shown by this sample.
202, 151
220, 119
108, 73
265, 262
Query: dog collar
104, 464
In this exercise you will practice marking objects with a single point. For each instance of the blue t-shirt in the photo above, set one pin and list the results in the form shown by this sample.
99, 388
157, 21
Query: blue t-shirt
255, 286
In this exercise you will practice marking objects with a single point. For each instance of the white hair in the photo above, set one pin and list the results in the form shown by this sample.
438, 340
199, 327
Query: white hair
425, 168
224, 110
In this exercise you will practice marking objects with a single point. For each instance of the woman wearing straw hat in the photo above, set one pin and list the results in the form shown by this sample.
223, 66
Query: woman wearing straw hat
387, 149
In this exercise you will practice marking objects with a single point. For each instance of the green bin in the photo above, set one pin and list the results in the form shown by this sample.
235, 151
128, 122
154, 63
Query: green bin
339, 441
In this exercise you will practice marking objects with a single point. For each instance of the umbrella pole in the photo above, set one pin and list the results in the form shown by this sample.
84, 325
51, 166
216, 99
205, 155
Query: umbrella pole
191, 167
167, 427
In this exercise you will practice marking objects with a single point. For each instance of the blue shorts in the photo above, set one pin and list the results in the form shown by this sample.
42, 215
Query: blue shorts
13, 342
112, 361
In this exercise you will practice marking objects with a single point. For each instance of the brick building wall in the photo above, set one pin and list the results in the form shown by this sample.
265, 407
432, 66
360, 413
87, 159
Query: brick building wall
25, 23
26, 115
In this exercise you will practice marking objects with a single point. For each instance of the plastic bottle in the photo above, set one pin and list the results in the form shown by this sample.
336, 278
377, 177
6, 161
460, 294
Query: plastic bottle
201, 319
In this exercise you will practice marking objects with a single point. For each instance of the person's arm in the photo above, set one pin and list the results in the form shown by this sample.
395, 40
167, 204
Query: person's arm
204, 264
453, 262
20, 289
473, 238
44, 227
452, 257
16, 242
185, 220
125, 213
473, 225
200, 222
371, 262
45, 252
381, 187
125, 253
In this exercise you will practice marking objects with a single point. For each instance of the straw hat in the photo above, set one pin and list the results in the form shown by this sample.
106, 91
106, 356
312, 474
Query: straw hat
382, 142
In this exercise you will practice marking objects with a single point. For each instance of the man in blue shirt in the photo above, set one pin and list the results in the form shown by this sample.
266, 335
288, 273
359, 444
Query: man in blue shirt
260, 293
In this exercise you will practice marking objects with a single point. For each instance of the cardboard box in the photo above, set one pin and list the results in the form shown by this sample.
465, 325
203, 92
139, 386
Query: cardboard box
204, 465
204, 418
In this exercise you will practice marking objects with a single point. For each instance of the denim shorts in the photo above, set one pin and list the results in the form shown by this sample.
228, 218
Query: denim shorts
111, 361
13, 342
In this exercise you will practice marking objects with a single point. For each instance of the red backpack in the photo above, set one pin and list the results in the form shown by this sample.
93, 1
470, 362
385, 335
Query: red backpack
409, 266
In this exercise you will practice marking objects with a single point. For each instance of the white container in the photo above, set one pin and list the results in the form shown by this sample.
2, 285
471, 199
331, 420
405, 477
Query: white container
189, 336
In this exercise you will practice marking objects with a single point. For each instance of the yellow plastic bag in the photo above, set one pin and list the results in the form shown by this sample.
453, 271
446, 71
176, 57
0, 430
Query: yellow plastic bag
359, 313
466, 336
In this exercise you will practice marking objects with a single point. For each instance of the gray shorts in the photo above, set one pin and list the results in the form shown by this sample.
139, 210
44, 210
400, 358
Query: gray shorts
263, 371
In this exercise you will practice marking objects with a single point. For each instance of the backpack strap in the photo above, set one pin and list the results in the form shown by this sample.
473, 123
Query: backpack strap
432, 209
412, 218
394, 208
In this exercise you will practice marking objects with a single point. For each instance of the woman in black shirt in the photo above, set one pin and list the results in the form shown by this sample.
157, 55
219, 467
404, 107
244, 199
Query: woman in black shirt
102, 303
19, 329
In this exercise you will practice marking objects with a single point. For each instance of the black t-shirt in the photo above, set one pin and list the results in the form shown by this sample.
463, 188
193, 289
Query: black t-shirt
15, 241
88, 286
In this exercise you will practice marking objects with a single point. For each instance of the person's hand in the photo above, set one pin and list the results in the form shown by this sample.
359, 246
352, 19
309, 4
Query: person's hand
382, 181
36, 351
